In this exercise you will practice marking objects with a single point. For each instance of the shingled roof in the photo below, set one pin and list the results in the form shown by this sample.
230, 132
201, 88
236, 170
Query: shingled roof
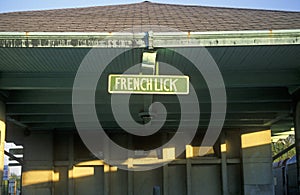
116, 18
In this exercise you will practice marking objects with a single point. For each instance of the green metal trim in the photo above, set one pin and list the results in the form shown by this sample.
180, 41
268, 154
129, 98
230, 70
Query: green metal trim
69, 39
228, 38
158, 39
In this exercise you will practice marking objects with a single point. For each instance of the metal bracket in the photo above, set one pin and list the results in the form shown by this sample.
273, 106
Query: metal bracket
149, 66
149, 39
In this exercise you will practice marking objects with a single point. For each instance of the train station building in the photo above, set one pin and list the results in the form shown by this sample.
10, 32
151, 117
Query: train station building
149, 98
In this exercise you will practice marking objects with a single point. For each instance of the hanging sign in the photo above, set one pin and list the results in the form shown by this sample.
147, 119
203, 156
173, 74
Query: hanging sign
148, 84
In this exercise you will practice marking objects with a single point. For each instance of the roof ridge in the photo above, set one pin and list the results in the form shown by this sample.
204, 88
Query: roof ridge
217, 7
71, 8
152, 3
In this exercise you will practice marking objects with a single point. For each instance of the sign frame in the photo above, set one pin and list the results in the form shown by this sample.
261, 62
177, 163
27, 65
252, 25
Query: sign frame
186, 78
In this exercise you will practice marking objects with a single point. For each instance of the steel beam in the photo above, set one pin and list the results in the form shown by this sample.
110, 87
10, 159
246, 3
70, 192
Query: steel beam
234, 95
279, 78
46, 109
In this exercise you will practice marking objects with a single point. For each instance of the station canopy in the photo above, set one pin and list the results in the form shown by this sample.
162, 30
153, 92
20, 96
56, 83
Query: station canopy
257, 52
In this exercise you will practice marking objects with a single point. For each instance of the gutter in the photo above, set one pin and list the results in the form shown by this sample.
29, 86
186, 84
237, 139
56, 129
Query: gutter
149, 39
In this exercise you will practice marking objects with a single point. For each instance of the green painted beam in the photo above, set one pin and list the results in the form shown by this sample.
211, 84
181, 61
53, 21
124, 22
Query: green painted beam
67, 120
168, 125
160, 39
54, 122
30, 109
278, 78
284, 126
234, 95
262, 117
110, 126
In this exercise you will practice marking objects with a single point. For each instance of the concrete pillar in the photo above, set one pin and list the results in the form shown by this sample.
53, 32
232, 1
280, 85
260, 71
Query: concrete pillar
233, 155
189, 176
2, 140
130, 173
71, 163
38, 174
297, 139
106, 169
224, 165
257, 163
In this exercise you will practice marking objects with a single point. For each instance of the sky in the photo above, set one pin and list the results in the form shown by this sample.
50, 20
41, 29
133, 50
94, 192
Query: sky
16, 170
23, 5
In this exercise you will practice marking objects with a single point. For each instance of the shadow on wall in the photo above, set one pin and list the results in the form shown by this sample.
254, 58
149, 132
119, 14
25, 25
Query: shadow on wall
194, 174
90, 177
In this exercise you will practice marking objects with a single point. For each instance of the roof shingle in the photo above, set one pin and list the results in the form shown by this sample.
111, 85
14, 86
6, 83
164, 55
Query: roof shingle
123, 17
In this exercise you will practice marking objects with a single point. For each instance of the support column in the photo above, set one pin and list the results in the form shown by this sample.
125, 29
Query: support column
189, 176
224, 165
233, 157
129, 173
2, 140
165, 168
257, 163
297, 139
38, 174
106, 169
71, 165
